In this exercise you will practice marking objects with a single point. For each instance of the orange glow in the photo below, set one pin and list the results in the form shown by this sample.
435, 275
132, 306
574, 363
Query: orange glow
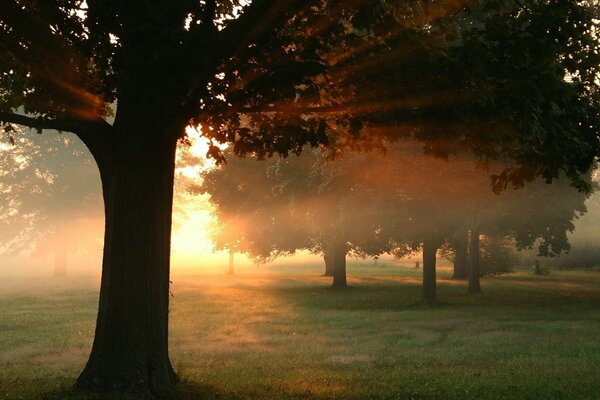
89, 106
191, 247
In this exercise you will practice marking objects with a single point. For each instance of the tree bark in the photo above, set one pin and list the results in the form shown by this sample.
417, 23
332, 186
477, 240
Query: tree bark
339, 264
430, 248
231, 271
130, 349
329, 261
474, 273
60, 260
461, 256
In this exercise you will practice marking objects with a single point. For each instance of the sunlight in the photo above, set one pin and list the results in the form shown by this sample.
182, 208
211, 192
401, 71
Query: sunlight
190, 243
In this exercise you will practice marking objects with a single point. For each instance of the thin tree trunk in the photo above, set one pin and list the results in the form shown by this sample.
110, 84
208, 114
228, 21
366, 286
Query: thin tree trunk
538, 269
339, 261
461, 256
430, 248
130, 349
474, 273
231, 271
60, 260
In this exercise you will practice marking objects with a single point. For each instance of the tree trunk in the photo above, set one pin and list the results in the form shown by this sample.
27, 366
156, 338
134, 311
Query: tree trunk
130, 349
60, 260
339, 264
538, 269
461, 256
230, 271
474, 273
430, 248
329, 262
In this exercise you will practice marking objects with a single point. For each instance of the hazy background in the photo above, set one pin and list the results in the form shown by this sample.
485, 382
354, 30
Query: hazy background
51, 205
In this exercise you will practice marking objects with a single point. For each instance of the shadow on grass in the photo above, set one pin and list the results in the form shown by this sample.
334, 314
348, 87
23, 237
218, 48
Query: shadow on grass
386, 296
379, 297
184, 391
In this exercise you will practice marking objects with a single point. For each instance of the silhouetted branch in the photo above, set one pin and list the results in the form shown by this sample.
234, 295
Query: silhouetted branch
88, 131
260, 18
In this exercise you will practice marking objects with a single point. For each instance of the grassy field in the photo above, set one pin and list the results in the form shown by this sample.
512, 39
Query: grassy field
281, 333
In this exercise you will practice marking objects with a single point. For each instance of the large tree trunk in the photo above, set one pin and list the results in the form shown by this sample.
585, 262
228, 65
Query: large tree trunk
474, 273
461, 256
430, 248
339, 264
130, 350
231, 271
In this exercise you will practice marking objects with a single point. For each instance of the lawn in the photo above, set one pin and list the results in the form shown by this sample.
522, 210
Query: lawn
281, 333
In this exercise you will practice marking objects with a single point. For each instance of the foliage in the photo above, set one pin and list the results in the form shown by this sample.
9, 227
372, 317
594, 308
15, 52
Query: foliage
273, 208
380, 204
496, 255
49, 195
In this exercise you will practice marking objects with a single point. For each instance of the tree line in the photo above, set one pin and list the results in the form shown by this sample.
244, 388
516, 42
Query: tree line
401, 202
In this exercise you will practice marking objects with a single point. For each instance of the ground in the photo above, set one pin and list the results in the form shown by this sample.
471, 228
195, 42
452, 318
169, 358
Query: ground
281, 333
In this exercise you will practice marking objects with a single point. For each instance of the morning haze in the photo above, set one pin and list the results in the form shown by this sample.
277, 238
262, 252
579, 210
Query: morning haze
235, 199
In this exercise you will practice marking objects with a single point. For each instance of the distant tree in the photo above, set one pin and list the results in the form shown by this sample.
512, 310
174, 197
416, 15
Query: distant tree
437, 201
515, 218
49, 197
584, 251
286, 205
517, 214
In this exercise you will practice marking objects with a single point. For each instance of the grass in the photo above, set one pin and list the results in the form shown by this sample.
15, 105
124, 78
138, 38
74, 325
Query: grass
281, 333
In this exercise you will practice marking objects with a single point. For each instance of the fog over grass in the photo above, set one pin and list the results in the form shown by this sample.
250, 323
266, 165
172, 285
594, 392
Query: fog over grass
275, 332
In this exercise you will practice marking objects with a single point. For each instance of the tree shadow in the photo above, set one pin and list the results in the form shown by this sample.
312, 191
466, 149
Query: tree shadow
184, 391
385, 295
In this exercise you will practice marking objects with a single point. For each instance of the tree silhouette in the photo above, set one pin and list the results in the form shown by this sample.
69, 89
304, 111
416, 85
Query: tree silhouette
270, 77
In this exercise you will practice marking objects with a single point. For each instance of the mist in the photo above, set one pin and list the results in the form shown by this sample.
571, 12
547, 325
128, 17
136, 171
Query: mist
287, 209
391, 203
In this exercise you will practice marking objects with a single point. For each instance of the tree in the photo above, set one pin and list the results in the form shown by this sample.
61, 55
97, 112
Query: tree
275, 208
253, 75
49, 196
443, 199
517, 214
64, 63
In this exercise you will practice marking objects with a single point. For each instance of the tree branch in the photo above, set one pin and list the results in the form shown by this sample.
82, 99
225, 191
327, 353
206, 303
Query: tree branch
90, 132
40, 123
260, 18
